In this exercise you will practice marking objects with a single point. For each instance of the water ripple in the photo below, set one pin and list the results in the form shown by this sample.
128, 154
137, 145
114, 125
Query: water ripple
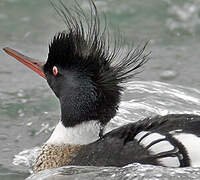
156, 98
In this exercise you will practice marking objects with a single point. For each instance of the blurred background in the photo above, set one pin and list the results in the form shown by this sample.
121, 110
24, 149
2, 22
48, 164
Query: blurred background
28, 108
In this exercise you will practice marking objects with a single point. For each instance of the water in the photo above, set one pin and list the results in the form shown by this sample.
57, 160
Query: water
29, 110
130, 172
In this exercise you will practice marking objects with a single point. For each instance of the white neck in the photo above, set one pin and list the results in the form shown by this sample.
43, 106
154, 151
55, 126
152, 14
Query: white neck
84, 133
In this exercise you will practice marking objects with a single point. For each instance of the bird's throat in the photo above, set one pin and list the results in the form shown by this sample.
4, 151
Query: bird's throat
84, 133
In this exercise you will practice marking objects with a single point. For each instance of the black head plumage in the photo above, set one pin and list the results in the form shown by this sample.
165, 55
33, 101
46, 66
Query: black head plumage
89, 82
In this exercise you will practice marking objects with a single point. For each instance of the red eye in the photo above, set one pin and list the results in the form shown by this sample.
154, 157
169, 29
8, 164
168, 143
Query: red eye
55, 71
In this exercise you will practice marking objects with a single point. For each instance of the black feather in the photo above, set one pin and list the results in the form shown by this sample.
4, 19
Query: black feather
91, 46
84, 48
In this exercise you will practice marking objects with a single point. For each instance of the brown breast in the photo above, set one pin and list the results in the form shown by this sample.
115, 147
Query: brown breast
53, 156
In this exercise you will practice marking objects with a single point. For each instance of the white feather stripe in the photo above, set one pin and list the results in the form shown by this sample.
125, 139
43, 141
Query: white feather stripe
192, 146
162, 146
170, 161
151, 138
145, 138
140, 135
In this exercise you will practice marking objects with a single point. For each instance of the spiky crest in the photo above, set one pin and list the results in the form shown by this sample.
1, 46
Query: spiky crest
90, 46
85, 48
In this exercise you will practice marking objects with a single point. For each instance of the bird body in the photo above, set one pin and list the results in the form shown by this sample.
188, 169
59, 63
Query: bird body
87, 75
171, 140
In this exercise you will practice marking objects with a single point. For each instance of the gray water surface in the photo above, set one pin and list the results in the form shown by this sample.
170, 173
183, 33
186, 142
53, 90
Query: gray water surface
28, 108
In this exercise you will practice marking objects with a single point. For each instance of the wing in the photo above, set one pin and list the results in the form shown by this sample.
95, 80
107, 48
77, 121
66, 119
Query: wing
171, 140
174, 140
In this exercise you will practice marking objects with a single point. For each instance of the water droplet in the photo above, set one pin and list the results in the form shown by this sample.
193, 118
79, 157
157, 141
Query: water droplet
168, 75
29, 124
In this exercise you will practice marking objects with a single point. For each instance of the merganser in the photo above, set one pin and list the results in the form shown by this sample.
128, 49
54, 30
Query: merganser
87, 77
